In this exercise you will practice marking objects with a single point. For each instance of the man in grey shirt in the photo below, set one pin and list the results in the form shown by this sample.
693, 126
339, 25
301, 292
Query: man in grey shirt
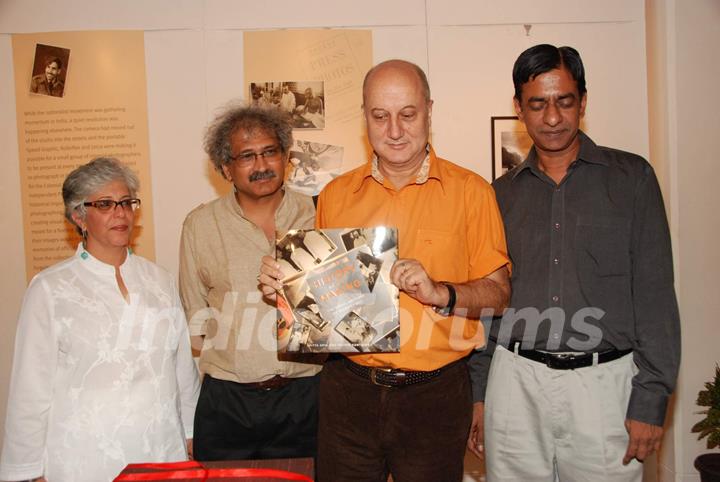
586, 357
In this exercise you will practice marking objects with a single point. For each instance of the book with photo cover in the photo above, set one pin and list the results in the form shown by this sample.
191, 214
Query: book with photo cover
337, 295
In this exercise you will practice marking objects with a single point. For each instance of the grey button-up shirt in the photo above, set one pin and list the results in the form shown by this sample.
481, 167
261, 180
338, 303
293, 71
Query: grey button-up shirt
592, 269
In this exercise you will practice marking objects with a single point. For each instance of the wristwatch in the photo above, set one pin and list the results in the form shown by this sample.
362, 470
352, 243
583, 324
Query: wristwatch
452, 298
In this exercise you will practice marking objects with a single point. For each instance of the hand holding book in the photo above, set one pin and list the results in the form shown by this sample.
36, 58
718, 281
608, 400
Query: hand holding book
410, 276
269, 278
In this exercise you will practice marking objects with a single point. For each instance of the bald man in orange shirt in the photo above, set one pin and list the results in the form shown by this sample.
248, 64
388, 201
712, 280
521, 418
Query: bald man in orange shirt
408, 414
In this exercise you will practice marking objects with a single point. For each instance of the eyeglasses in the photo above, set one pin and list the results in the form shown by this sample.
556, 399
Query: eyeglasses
110, 204
247, 158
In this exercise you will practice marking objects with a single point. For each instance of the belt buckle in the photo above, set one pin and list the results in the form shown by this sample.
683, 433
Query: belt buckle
373, 376
559, 362
272, 383
567, 361
267, 385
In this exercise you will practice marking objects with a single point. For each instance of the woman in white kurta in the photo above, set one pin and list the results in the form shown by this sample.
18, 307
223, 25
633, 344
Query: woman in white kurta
102, 375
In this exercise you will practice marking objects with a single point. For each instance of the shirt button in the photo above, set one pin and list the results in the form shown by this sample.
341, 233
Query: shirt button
556, 298
556, 225
556, 261
555, 336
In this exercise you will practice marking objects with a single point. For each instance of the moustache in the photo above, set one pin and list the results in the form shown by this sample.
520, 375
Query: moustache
260, 175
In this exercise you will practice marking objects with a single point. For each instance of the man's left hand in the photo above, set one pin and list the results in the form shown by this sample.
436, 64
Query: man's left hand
410, 276
644, 440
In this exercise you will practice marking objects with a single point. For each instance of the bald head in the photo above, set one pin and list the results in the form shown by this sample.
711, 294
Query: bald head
397, 66
397, 108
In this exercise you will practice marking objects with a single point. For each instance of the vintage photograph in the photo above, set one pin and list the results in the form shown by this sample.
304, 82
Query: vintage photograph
369, 267
358, 332
310, 311
312, 166
510, 144
354, 238
378, 239
389, 342
50, 68
303, 100
302, 250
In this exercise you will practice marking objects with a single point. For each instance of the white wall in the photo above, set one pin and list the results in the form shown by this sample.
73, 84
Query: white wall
698, 123
467, 47
12, 266
684, 120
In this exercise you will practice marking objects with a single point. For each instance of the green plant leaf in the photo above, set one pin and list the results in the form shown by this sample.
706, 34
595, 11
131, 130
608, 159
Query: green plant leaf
713, 440
710, 425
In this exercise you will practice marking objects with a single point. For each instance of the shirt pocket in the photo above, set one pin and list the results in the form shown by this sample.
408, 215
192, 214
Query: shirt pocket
604, 262
603, 245
439, 252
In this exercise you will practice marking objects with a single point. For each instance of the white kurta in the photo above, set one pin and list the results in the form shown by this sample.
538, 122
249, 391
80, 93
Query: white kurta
98, 382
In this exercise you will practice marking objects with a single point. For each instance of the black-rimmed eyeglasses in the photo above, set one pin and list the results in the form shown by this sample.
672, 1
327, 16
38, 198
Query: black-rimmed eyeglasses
108, 204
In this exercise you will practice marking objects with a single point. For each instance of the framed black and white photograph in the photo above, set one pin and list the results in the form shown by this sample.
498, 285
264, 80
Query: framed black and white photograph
312, 165
50, 67
510, 144
304, 101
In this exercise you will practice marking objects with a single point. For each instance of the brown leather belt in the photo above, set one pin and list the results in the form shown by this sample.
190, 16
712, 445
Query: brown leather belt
392, 377
270, 384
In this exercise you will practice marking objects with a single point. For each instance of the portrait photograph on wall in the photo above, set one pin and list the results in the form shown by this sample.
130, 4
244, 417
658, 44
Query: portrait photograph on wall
50, 68
304, 101
510, 144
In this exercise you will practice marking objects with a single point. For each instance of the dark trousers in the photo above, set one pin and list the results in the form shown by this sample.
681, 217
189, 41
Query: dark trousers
235, 422
416, 433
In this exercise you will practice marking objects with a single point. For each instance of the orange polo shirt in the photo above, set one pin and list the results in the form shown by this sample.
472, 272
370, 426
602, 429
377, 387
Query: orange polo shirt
449, 221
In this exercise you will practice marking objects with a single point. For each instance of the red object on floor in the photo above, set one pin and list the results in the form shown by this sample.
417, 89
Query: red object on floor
227, 471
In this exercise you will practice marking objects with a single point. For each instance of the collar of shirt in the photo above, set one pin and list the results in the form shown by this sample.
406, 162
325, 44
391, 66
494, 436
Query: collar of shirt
589, 152
428, 170
90, 262
237, 209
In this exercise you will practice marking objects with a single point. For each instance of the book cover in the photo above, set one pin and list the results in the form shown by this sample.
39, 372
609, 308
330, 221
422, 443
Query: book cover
337, 295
